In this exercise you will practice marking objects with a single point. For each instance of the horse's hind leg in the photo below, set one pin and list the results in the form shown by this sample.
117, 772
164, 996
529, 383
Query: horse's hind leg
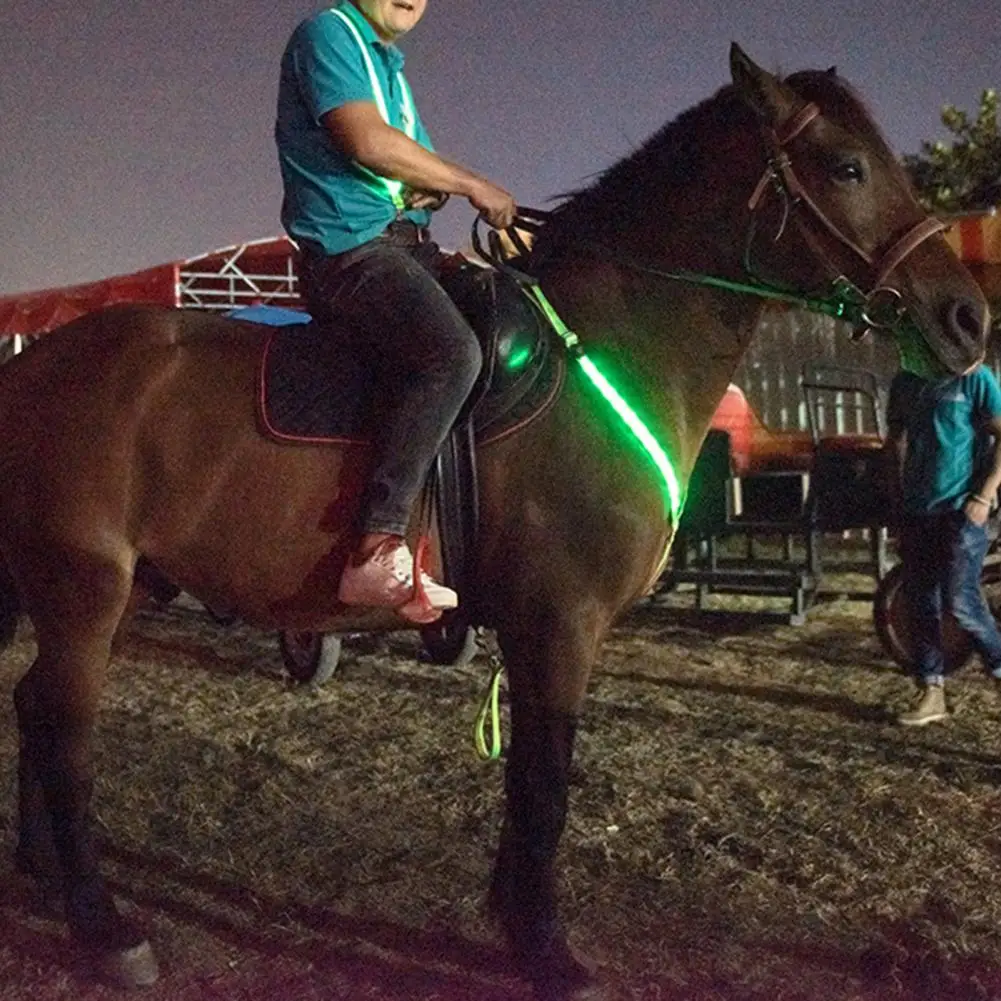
75, 612
547, 671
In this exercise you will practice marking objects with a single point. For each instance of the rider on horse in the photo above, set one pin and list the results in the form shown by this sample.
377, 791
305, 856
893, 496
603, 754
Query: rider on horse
361, 180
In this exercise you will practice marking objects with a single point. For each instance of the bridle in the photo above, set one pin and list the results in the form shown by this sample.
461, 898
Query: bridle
881, 307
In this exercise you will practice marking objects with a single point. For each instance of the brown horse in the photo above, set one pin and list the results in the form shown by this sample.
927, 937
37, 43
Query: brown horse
133, 432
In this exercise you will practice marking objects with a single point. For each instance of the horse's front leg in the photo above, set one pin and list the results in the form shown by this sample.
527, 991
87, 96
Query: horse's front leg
547, 677
56, 704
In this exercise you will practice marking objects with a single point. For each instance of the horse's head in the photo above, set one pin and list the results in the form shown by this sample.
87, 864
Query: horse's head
833, 185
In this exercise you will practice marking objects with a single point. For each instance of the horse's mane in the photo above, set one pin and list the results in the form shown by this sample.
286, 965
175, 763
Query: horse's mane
683, 150
672, 156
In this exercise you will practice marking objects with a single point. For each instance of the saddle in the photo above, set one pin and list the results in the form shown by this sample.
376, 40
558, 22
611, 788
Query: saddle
313, 390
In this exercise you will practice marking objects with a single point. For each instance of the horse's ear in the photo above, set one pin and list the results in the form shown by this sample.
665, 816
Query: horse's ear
766, 94
832, 71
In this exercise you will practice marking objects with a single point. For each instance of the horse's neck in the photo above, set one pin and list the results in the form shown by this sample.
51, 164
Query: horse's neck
677, 345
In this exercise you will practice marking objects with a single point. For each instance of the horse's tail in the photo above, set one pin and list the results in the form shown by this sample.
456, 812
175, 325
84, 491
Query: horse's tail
10, 607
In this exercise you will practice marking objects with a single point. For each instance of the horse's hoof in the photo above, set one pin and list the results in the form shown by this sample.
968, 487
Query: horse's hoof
129, 968
560, 975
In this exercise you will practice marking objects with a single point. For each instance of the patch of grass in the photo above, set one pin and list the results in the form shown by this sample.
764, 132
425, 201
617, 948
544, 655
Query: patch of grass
746, 821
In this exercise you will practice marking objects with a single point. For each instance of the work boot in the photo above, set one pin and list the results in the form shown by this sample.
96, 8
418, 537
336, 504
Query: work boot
385, 579
929, 707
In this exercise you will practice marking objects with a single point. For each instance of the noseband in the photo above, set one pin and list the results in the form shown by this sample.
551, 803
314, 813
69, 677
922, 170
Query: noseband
881, 307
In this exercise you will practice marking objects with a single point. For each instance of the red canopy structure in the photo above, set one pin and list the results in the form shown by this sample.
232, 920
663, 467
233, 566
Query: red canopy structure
976, 237
977, 240
260, 271
34, 313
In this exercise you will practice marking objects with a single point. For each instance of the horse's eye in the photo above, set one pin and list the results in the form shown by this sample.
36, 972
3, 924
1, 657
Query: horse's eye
850, 171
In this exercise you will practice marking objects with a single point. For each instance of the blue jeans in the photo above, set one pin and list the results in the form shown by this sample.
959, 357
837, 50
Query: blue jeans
943, 557
424, 353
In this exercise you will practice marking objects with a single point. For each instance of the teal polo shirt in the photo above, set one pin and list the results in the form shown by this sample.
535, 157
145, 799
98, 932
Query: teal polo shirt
947, 438
328, 200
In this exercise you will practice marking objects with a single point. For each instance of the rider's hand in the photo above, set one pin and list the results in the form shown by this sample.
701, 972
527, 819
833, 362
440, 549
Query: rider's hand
497, 205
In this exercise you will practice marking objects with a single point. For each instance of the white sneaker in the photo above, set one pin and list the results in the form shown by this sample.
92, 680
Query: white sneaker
386, 580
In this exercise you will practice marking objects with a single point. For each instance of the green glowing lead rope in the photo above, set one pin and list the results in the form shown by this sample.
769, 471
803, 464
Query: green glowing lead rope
611, 394
490, 709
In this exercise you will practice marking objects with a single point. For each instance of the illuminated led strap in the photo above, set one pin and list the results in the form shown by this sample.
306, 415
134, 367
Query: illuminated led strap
487, 731
392, 187
615, 400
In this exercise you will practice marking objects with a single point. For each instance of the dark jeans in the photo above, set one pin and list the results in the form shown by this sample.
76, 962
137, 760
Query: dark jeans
943, 556
425, 356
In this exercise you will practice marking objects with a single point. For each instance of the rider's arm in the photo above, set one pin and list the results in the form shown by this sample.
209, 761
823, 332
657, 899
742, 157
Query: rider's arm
358, 129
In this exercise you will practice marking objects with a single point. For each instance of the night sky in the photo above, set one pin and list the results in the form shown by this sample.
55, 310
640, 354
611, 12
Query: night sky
139, 133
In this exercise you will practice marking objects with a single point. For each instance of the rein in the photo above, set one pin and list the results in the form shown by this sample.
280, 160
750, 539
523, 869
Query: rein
844, 301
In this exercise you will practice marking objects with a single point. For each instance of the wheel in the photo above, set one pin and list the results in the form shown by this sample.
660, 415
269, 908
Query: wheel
893, 628
990, 583
450, 640
310, 658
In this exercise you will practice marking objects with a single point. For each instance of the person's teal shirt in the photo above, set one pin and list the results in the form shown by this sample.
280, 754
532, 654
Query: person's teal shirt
947, 436
328, 199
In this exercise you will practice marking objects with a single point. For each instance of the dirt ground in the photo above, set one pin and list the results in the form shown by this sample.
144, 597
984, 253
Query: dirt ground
747, 822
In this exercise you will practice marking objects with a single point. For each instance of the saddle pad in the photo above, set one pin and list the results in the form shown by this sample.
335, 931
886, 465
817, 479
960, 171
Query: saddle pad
311, 388
315, 388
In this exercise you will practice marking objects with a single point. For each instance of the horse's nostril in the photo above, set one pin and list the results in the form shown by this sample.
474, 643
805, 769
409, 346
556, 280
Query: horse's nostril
966, 318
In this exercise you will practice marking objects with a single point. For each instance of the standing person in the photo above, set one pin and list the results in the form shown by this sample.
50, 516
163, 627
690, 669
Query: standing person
360, 180
945, 437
